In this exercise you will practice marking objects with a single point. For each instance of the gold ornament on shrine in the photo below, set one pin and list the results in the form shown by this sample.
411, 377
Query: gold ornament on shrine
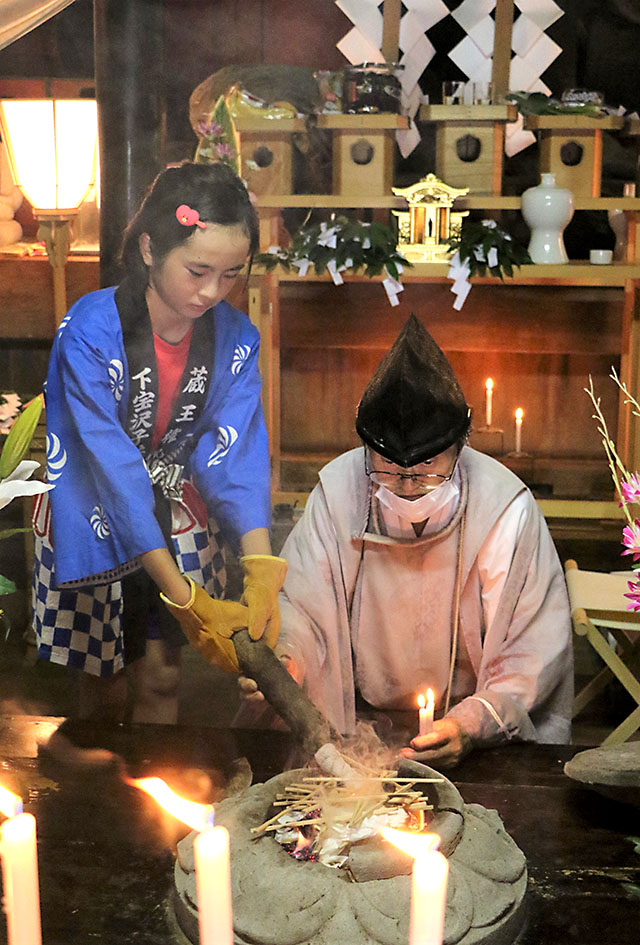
425, 229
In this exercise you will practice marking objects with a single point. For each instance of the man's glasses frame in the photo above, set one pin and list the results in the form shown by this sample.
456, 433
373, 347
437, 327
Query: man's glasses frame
382, 477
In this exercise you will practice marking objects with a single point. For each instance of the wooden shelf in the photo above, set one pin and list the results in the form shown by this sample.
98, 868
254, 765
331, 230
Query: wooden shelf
555, 511
330, 201
581, 508
467, 113
330, 122
26, 292
486, 202
470, 202
577, 273
338, 122
573, 122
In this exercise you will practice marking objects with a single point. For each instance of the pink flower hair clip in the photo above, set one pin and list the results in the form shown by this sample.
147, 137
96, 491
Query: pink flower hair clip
188, 217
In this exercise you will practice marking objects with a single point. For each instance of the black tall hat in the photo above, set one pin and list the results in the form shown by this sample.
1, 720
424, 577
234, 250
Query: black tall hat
414, 407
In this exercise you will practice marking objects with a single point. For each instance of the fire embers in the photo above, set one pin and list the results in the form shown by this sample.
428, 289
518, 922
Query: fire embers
303, 848
320, 818
299, 839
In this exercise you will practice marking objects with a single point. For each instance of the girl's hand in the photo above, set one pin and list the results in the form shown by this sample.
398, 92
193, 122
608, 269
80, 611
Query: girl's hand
263, 577
444, 747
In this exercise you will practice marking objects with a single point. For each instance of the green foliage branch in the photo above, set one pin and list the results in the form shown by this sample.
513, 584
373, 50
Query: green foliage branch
371, 247
474, 241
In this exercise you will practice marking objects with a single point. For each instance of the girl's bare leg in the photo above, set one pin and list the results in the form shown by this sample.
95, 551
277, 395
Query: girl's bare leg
103, 698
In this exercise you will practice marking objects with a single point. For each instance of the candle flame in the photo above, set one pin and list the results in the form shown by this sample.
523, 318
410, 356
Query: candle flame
10, 804
427, 700
414, 844
197, 816
489, 383
519, 413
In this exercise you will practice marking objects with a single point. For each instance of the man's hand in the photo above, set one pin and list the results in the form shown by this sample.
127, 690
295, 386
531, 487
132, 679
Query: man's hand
248, 688
444, 747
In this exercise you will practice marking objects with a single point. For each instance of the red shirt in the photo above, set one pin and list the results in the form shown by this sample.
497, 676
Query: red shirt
171, 360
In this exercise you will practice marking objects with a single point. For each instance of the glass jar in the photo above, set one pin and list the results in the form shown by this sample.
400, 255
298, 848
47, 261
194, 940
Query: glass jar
371, 87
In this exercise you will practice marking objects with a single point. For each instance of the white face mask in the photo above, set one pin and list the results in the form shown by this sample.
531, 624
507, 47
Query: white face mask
418, 510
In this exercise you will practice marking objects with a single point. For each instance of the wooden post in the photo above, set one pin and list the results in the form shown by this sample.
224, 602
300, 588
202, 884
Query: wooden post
391, 29
502, 50
130, 81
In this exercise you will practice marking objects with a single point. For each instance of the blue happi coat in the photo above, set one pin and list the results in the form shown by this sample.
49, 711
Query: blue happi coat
102, 506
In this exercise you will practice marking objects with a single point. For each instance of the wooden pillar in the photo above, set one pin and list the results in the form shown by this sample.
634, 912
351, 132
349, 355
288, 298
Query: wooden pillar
391, 29
502, 50
129, 72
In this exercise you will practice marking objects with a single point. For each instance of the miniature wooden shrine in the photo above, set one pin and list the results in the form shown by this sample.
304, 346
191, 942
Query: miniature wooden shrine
424, 230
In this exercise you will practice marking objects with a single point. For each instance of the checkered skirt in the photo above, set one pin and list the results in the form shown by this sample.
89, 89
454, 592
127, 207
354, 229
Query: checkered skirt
82, 628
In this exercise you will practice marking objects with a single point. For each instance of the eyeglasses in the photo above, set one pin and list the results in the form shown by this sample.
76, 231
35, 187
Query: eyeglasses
384, 478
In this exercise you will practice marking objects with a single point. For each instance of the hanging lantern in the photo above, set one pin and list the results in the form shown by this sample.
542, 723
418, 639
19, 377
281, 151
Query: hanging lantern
52, 145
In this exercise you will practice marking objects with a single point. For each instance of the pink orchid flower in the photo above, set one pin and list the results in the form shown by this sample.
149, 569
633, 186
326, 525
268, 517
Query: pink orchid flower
631, 540
634, 597
209, 129
224, 150
631, 489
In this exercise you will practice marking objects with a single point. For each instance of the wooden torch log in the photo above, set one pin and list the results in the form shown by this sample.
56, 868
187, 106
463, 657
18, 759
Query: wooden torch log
307, 723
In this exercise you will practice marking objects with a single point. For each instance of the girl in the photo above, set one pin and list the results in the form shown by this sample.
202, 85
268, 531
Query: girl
154, 424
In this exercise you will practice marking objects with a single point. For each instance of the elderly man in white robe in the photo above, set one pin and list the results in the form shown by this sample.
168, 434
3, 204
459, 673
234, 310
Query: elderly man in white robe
420, 562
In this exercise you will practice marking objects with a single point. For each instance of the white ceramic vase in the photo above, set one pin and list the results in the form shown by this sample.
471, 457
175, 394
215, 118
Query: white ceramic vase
547, 209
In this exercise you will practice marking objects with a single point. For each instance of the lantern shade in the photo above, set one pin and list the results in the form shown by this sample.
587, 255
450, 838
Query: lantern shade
52, 145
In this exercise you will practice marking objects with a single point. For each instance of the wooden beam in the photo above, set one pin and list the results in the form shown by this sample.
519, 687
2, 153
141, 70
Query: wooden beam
502, 50
391, 30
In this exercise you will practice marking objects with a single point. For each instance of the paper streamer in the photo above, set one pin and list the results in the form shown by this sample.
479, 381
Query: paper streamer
333, 271
461, 287
392, 287
534, 50
303, 266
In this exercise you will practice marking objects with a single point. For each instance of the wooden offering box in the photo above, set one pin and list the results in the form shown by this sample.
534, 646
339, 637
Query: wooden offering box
470, 144
362, 148
265, 153
363, 153
571, 148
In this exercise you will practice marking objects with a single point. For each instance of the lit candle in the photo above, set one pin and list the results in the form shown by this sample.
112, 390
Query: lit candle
428, 884
18, 850
488, 386
211, 854
213, 885
426, 712
519, 415
428, 898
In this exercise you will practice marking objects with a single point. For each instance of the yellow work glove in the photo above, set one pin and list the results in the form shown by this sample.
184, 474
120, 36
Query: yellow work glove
209, 624
263, 577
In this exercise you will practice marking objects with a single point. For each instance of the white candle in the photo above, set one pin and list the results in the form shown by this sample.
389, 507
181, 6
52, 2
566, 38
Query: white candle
488, 386
211, 854
20, 879
213, 885
428, 884
428, 898
426, 712
519, 415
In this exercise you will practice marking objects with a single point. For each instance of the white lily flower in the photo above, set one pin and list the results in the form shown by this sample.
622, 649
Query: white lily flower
16, 483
